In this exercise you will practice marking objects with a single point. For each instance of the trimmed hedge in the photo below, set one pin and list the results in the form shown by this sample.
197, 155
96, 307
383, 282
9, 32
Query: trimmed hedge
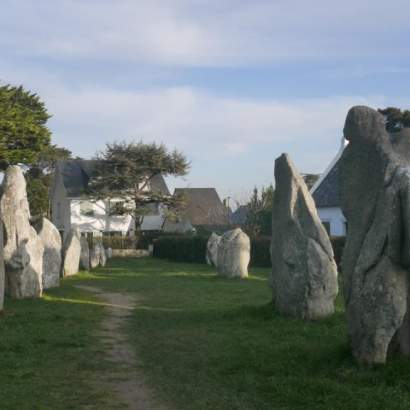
260, 252
338, 243
181, 248
192, 249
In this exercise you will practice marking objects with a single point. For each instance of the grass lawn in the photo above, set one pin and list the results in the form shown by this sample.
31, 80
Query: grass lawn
212, 343
48, 352
204, 342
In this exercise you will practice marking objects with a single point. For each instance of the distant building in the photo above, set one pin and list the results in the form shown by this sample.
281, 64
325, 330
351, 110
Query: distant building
326, 194
72, 205
204, 209
240, 215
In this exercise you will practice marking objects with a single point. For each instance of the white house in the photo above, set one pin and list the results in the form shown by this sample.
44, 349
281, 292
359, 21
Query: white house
71, 206
326, 195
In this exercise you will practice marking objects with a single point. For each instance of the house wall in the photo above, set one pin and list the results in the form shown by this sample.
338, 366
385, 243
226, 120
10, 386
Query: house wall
100, 221
60, 206
335, 217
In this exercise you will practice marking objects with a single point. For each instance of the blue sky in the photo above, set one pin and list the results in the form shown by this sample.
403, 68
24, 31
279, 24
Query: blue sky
232, 84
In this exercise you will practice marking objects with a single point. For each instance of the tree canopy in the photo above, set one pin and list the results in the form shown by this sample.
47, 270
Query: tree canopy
259, 216
23, 131
126, 169
396, 119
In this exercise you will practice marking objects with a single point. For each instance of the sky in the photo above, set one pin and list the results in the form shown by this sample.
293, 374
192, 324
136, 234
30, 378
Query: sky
232, 84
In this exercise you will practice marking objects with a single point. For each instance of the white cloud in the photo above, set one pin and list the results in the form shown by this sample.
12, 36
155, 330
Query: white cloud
203, 33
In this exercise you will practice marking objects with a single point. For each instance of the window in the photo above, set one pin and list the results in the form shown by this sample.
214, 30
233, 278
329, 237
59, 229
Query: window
326, 225
118, 209
86, 208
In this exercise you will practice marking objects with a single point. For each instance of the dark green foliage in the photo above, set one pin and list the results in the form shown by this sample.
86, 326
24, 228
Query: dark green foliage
260, 252
338, 243
192, 249
38, 196
125, 170
23, 131
39, 178
259, 216
183, 248
396, 119
310, 179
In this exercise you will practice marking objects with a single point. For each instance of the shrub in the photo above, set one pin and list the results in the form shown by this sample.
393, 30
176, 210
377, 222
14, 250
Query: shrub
260, 252
181, 248
190, 248
338, 243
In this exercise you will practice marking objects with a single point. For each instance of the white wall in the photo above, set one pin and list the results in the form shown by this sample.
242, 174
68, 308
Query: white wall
335, 217
101, 221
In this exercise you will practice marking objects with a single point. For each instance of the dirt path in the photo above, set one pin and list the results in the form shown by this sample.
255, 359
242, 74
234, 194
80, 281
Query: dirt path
126, 381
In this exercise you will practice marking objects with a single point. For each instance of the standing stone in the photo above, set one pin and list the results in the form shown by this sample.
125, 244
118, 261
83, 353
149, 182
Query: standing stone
95, 257
23, 249
212, 249
2, 272
304, 273
109, 253
233, 254
103, 256
52, 258
85, 254
72, 252
375, 197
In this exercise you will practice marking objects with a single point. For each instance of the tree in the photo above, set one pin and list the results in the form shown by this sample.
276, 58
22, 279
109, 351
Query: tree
259, 217
23, 131
396, 119
310, 179
124, 170
39, 178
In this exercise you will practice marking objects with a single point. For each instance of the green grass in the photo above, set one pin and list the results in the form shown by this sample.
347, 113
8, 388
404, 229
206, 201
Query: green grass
204, 343
48, 351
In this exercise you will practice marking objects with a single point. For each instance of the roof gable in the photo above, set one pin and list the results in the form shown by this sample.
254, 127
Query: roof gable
327, 193
76, 175
204, 207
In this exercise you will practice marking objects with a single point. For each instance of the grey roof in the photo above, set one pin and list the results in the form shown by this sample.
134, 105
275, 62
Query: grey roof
77, 173
240, 215
203, 206
327, 193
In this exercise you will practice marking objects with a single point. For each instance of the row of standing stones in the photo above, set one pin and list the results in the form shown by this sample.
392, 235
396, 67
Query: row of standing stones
374, 178
33, 257
374, 174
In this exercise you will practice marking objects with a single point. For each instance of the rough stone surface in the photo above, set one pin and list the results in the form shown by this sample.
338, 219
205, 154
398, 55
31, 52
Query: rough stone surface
130, 253
375, 196
52, 257
233, 254
23, 249
72, 252
212, 249
85, 254
304, 273
103, 255
2, 272
95, 252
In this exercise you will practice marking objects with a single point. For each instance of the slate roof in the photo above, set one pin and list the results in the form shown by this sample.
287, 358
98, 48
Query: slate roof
240, 215
327, 193
203, 206
77, 173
